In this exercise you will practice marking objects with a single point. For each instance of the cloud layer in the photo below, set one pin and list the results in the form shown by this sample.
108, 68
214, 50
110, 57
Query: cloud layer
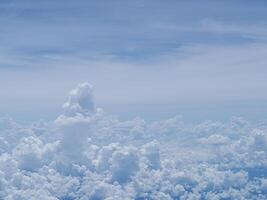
87, 154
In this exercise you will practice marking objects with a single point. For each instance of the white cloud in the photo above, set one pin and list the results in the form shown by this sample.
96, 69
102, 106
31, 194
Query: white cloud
86, 154
80, 101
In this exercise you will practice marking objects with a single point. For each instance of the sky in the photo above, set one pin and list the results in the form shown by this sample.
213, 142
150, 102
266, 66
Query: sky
148, 58
133, 100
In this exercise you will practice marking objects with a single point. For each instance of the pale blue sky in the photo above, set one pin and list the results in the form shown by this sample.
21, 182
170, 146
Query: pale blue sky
202, 59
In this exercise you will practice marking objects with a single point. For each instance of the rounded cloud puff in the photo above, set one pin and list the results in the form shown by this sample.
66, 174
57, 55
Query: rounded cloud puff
80, 101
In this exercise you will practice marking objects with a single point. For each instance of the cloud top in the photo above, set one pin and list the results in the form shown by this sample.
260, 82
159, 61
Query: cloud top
80, 101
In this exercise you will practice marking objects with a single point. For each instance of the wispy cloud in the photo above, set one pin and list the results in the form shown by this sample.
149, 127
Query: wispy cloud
122, 29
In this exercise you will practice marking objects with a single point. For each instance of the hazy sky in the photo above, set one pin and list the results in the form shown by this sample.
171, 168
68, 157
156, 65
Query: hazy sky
203, 59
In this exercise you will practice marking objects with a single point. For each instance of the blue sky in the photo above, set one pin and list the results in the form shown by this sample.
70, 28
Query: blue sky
159, 58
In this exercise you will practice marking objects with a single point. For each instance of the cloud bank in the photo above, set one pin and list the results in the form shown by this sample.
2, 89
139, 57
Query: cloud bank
87, 154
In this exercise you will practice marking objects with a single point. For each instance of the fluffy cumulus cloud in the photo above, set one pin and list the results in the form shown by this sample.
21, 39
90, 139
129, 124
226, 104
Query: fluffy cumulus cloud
87, 154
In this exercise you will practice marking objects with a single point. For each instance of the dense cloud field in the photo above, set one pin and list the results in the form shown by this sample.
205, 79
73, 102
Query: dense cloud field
87, 154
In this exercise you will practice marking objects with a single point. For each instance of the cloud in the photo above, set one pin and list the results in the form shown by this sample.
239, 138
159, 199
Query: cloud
80, 101
86, 154
215, 140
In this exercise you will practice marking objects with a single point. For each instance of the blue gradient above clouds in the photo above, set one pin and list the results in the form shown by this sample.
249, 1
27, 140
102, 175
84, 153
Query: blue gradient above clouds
125, 28
166, 54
